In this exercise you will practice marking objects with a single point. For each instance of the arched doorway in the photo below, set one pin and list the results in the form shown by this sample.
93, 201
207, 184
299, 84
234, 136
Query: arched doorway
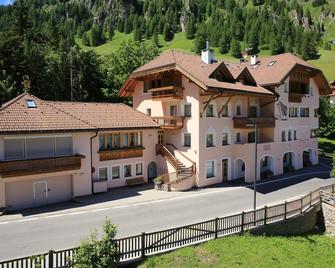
239, 170
152, 171
289, 162
307, 158
267, 167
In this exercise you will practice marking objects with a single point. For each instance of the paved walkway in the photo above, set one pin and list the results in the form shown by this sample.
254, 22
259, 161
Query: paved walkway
125, 196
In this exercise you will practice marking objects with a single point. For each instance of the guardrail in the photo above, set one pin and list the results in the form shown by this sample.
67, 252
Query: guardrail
146, 244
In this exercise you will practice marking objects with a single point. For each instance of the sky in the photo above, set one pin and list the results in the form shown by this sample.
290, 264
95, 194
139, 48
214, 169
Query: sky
5, 2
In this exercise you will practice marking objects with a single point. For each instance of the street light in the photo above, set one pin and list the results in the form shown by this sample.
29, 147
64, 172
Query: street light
254, 125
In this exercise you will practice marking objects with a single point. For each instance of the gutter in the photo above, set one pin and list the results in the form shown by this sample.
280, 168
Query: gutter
91, 152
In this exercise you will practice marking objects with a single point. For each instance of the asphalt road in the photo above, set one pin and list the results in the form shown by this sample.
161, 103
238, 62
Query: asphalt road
36, 235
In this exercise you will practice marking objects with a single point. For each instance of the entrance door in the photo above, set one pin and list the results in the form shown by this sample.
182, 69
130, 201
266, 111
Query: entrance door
152, 171
224, 170
40, 193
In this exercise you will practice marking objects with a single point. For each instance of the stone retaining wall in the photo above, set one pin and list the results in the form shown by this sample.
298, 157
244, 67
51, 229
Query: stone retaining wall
328, 212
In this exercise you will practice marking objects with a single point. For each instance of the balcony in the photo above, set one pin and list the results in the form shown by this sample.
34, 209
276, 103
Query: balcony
168, 92
245, 122
295, 97
105, 155
24, 167
169, 122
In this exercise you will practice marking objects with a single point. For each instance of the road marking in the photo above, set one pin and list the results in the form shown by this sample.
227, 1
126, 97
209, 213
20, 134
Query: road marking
162, 200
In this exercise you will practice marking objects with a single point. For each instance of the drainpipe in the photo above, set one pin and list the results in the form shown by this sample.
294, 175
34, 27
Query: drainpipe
91, 152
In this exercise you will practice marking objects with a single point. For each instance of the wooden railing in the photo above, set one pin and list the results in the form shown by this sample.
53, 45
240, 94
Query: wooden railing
105, 155
169, 122
146, 244
171, 92
245, 122
25, 167
163, 151
295, 97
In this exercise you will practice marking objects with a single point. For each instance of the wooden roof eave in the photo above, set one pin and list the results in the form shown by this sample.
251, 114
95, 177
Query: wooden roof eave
215, 90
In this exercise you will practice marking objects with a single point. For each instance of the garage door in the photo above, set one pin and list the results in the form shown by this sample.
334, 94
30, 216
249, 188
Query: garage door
39, 192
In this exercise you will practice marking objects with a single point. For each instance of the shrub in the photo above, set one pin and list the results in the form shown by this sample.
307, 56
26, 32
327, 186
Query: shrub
98, 253
158, 180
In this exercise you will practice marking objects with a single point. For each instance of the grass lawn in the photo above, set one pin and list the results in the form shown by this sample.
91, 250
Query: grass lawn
252, 251
326, 62
327, 146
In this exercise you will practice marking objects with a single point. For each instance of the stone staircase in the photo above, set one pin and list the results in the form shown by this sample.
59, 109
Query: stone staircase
182, 170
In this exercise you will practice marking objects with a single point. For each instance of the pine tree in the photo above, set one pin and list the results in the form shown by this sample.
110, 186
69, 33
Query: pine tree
155, 39
224, 43
110, 32
190, 28
235, 48
85, 39
168, 33
200, 38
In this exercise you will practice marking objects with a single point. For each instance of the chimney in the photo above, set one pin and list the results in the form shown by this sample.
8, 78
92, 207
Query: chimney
253, 60
207, 54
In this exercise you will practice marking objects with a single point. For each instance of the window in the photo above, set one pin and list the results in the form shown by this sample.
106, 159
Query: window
63, 145
124, 140
210, 140
272, 63
31, 104
316, 113
139, 169
187, 140
283, 135
224, 138
251, 137
210, 110
293, 112
103, 174
132, 139
225, 111
289, 136
139, 139
116, 140
14, 149
299, 87
253, 111
304, 112
148, 112
188, 110
295, 136
101, 141
210, 172
127, 171
238, 137
238, 109
109, 141
116, 172
40, 147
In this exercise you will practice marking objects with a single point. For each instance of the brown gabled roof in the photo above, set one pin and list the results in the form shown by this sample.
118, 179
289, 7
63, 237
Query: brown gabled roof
49, 116
15, 116
273, 70
106, 115
192, 67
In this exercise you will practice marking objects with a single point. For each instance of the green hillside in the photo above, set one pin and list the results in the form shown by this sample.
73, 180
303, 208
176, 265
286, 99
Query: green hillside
326, 62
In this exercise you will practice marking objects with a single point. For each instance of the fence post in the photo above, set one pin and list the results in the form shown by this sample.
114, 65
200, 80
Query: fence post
242, 222
216, 227
51, 259
265, 214
285, 211
143, 245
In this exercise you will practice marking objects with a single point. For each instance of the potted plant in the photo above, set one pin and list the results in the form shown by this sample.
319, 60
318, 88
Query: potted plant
158, 182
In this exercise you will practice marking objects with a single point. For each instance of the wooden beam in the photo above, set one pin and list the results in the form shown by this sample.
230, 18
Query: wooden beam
206, 104
224, 106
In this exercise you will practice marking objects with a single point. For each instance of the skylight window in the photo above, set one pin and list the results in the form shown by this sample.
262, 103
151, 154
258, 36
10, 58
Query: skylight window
31, 104
272, 63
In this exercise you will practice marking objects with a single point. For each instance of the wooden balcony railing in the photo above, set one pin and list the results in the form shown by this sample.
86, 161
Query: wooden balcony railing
169, 122
295, 97
171, 92
245, 122
105, 155
23, 167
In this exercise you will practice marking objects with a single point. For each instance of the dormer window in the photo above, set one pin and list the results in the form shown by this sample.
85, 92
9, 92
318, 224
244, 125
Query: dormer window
31, 104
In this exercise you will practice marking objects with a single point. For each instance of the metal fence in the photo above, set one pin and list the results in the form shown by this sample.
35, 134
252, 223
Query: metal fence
146, 244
